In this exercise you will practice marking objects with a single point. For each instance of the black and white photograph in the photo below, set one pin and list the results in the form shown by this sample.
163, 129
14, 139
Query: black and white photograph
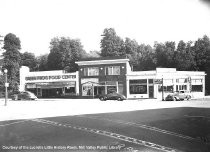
105, 76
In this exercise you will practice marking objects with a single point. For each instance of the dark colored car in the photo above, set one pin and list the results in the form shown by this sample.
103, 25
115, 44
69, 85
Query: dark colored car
25, 95
112, 96
172, 97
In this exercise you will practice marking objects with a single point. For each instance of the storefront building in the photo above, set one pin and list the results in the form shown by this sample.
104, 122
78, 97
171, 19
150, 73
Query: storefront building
101, 76
104, 75
49, 84
163, 81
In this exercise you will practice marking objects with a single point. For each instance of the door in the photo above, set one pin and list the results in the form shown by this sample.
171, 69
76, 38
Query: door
151, 91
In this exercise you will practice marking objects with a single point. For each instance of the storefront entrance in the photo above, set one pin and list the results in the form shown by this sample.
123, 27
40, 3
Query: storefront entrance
52, 93
151, 91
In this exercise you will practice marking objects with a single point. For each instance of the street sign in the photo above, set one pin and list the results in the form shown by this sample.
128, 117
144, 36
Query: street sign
158, 81
6, 84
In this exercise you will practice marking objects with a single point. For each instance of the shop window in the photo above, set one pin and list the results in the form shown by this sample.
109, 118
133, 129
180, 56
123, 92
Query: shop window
138, 89
70, 90
165, 88
197, 88
181, 87
138, 86
112, 70
92, 71
150, 81
87, 90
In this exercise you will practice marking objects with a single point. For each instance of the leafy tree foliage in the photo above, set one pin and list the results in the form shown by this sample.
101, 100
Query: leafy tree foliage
12, 59
111, 44
42, 63
165, 54
202, 53
29, 59
63, 54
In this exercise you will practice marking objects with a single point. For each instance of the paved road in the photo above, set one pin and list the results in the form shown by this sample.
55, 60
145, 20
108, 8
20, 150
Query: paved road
161, 129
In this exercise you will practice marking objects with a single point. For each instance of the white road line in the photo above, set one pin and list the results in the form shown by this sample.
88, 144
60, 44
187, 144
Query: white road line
110, 134
16, 122
142, 126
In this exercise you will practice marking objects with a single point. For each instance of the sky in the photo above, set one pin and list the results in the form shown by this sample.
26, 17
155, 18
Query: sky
36, 22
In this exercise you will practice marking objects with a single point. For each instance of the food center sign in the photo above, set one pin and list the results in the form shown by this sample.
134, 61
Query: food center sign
48, 78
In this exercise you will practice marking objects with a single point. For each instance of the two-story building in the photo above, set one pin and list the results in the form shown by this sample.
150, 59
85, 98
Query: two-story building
102, 75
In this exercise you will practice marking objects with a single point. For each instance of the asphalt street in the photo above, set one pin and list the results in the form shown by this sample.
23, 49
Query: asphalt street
170, 129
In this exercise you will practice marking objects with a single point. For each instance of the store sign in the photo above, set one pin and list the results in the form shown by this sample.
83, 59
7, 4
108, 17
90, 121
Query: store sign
55, 77
158, 81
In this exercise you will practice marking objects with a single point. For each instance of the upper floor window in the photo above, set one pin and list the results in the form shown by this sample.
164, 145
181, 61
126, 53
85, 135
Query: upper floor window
112, 70
92, 71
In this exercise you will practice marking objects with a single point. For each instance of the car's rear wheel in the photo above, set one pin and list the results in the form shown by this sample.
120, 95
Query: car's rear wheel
188, 97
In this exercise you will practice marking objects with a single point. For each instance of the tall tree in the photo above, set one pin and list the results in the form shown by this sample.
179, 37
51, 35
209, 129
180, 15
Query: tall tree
160, 54
111, 44
29, 59
63, 54
42, 63
202, 55
12, 59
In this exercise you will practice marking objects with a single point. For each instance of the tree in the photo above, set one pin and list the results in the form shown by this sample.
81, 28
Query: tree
160, 55
42, 63
12, 59
63, 54
202, 55
111, 44
29, 59
93, 54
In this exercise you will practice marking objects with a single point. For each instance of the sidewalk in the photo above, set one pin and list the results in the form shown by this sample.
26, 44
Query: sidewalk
63, 107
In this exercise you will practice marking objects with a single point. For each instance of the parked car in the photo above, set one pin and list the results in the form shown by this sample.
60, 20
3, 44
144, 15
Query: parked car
25, 95
183, 94
112, 96
172, 97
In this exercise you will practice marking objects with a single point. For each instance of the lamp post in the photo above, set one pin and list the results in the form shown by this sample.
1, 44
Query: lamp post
6, 85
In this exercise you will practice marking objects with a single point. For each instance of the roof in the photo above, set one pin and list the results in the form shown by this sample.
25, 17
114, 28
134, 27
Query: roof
104, 58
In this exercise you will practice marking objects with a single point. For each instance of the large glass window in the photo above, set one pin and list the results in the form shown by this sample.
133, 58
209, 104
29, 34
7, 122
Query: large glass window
112, 70
92, 71
181, 87
138, 86
165, 88
197, 88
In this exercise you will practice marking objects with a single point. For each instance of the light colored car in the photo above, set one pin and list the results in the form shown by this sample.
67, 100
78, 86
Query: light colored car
183, 94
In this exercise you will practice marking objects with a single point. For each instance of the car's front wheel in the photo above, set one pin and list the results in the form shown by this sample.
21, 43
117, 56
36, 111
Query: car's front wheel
188, 97
102, 98
119, 99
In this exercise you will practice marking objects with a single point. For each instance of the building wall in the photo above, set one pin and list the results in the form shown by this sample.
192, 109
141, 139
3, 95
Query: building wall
46, 80
102, 77
172, 81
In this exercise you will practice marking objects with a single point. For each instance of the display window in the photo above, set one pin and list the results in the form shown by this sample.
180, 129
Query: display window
138, 86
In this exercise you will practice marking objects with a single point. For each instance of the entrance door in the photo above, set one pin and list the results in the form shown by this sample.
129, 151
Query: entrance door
151, 91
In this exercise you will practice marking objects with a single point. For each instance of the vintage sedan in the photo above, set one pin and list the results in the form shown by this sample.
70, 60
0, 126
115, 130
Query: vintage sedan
183, 94
112, 96
172, 97
25, 95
